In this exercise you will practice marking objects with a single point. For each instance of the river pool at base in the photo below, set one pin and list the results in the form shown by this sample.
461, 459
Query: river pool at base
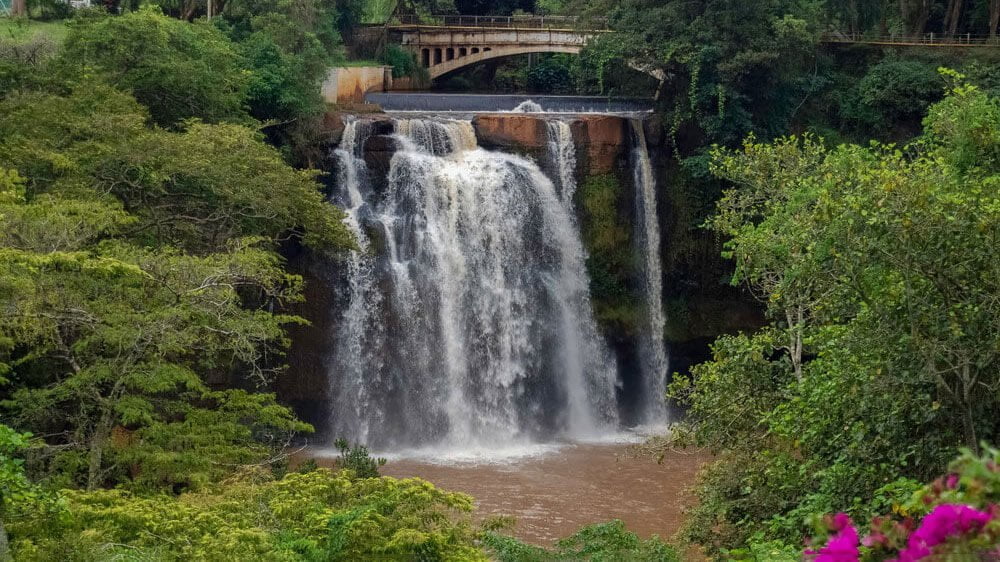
554, 494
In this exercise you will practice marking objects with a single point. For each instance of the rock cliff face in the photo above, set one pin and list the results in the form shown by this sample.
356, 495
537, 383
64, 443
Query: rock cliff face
601, 139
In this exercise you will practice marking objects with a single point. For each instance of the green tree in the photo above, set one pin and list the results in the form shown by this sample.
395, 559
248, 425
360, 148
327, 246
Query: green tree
288, 47
138, 265
177, 69
731, 67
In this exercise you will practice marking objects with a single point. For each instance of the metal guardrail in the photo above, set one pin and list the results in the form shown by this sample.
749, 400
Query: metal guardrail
925, 39
600, 24
501, 22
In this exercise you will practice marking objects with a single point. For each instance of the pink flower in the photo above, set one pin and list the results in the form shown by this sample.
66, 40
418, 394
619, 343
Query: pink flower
952, 481
876, 538
842, 546
947, 520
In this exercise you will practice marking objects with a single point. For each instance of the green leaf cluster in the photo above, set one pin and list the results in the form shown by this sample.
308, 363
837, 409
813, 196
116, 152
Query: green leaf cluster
317, 515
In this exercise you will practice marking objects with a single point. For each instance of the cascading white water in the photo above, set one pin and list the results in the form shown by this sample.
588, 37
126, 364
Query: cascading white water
354, 359
486, 337
562, 150
527, 106
655, 361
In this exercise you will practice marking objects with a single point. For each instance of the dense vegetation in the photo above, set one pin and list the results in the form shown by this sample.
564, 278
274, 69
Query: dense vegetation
879, 271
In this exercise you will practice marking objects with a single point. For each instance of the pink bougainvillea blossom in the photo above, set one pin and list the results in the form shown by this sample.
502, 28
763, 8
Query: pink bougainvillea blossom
842, 546
947, 520
952, 481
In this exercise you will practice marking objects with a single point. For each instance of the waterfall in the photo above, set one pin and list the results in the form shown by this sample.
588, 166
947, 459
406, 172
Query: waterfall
562, 150
471, 327
353, 358
654, 360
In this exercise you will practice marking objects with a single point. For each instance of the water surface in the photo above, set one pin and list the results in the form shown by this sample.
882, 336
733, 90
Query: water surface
554, 494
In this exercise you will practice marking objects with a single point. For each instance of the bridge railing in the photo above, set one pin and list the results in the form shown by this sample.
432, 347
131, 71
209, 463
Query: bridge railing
502, 22
929, 39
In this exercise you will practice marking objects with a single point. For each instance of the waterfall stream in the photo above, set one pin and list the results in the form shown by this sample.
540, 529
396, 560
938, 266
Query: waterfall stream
467, 323
654, 352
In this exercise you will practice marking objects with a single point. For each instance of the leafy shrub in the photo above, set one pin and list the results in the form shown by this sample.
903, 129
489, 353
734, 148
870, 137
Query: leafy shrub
900, 89
403, 62
551, 75
357, 460
319, 515
604, 542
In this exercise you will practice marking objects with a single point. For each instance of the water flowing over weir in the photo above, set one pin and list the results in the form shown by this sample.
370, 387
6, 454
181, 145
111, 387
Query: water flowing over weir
466, 323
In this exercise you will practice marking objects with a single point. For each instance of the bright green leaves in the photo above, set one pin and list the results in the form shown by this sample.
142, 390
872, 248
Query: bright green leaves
193, 189
317, 515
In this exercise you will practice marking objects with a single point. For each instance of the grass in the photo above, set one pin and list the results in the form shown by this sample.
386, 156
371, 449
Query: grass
21, 30
360, 63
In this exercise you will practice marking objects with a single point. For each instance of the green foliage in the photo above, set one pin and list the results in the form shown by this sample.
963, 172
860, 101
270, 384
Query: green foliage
551, 75
18, 495
357, 460
403, 62
731, 67
287, 47
318, 515
605, 232
604, 542
900, 89
196, 189
178, 70
137, 265
881, 284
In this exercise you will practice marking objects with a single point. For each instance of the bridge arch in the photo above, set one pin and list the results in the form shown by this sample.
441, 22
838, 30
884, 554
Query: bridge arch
445, 48
441, 60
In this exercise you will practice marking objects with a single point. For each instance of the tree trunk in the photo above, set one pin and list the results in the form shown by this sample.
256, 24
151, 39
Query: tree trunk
915, 14
4, 546
19, 8
952, 16
187, 10
795, 319
95, 457
994, 17
968, 422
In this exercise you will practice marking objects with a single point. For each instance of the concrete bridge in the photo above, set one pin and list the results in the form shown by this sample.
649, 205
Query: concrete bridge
454, 42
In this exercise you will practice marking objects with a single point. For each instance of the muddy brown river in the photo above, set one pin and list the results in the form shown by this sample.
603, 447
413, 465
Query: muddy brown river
554, 494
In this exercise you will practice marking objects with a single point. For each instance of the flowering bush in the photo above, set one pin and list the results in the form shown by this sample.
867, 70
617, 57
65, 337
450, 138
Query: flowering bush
956, 517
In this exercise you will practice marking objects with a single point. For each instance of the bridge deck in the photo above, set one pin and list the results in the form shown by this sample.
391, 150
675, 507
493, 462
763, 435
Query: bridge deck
573, 24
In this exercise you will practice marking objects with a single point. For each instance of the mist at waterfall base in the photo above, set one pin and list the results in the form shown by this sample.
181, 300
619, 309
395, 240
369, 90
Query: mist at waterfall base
465, 330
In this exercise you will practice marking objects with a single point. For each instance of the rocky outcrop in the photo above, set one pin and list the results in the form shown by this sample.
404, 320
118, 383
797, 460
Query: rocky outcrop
511, 132
603, 140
